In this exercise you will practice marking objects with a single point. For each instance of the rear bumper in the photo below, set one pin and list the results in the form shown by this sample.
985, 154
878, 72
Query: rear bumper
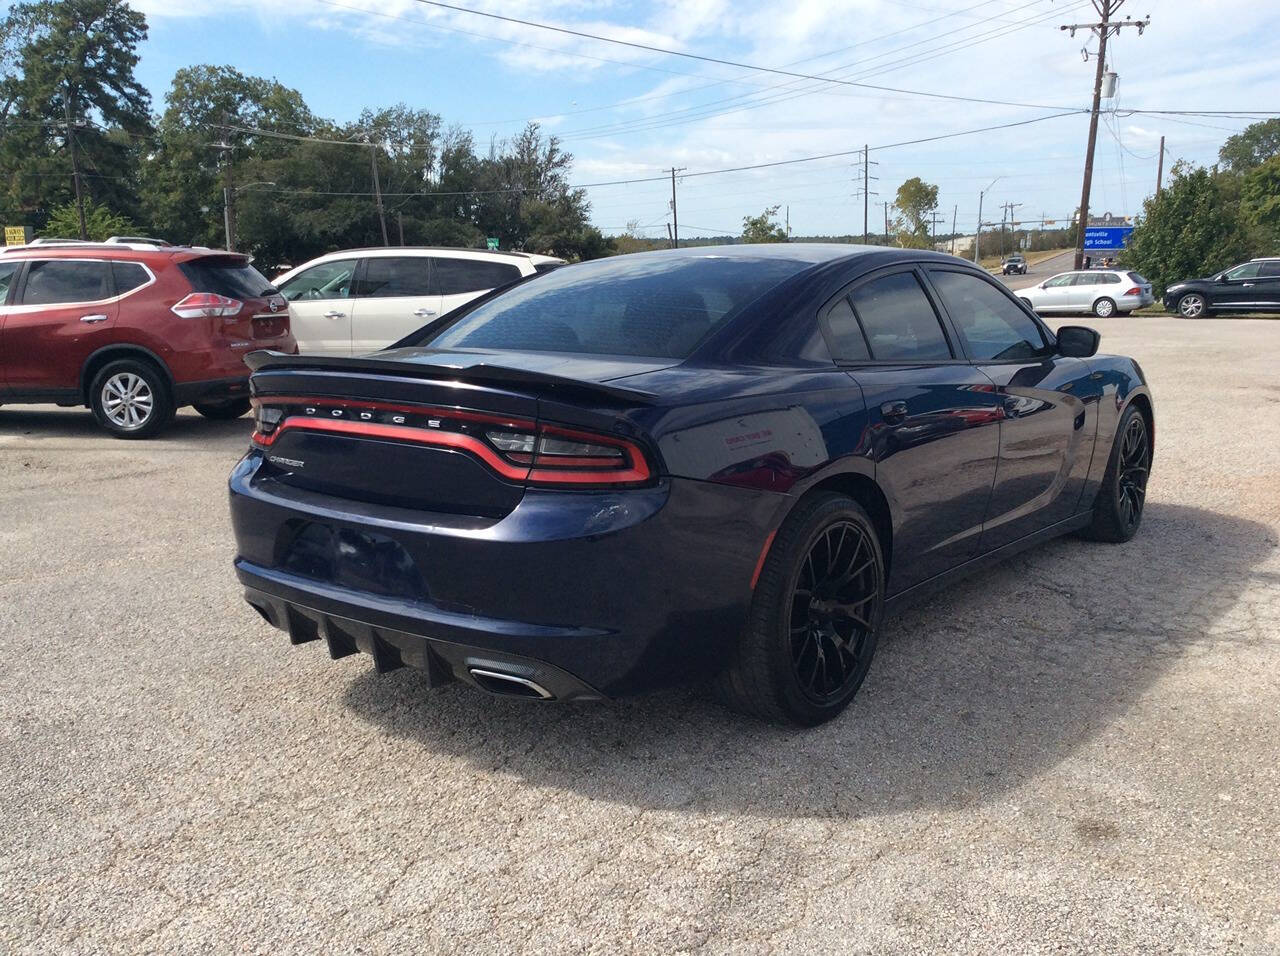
213, 390
589, 594
1128, 303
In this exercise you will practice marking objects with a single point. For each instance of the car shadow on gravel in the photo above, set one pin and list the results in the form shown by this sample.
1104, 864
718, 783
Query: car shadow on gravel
48, 422
989, 683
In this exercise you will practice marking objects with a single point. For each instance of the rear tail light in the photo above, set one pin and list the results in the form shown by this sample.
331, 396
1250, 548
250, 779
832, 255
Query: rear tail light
199, 305
545, 455
1134, 291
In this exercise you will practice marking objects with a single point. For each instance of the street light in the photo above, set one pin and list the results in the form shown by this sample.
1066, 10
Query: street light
977, 236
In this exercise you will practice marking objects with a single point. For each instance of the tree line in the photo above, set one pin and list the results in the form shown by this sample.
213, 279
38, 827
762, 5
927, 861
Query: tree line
298, 184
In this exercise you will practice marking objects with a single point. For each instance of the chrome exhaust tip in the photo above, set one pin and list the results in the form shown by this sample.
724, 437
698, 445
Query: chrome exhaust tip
509, 685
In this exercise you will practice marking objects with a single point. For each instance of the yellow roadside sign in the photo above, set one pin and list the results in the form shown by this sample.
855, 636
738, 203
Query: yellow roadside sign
17, 235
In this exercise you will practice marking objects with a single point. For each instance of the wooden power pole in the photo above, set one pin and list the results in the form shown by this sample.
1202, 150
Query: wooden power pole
1160, 169
377, 192
1104, 28
75, 166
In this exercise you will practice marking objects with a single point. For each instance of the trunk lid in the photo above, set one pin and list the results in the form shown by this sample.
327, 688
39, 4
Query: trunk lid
432, 432
264, 314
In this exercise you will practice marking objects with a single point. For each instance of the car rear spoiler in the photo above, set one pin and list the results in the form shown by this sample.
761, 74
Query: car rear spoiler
267, 360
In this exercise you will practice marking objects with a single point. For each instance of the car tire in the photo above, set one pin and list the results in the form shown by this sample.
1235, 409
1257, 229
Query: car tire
1193, 305
131, 398
1104, 308
1117, 510
814, 619
223, 411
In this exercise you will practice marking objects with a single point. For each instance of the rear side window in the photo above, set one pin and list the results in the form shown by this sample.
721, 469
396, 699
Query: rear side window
993, 327
7, 271
127, 276
899, 320
1109, 278
64, 280
627, 305
456, 276
230, 276
1269, 270
844, 335
387, 276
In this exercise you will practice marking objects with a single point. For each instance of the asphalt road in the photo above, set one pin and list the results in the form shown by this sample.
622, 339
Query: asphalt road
1073, 752
1041, 271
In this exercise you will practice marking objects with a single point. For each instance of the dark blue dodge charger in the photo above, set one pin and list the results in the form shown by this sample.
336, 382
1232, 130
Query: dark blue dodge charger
720, 463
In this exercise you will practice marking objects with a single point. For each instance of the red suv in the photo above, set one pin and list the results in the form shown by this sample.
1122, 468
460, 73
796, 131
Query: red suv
134, 330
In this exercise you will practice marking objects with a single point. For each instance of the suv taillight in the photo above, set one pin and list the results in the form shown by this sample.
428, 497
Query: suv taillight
201, 305
1134, 291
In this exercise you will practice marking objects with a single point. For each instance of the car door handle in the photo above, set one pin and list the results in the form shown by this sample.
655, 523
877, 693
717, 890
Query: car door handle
893, 413
334, 315
423, 313
1247, 285
94, 318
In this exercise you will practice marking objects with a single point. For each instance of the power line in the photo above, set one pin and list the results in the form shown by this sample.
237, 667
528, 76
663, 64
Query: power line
734, 63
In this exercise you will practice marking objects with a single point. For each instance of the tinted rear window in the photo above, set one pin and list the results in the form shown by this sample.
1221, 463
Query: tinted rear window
226, 276
1135, 277
630, 305
457, 276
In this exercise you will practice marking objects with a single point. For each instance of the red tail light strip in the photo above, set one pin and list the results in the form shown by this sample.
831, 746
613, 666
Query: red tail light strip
555, 471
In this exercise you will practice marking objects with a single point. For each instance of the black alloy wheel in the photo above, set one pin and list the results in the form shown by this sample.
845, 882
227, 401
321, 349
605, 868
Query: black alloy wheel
815, 616
831, 607
1118, 508
1135, 466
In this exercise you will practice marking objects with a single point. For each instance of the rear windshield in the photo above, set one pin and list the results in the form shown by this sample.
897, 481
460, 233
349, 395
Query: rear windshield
1134, 277
230, 276
628, 305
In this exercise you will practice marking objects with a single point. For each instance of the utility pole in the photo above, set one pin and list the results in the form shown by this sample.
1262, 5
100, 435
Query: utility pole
977, 236
377, 192
675, 220
1105, 28
788, 222
934, 219
673, 245
886, 222
955, 210
228, 187
1160, 169
1008, 207
75, 165
400, 224
867, 193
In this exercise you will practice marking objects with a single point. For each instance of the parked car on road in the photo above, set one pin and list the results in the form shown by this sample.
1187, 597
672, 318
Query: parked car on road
134, 330
1104, 292
1253, 286
1014, 265
360, 300
722, 461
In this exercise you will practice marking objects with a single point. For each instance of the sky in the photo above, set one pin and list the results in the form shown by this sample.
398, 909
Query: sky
626, 113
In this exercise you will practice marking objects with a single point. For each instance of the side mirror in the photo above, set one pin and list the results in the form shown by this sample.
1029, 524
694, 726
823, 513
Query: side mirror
1078, 341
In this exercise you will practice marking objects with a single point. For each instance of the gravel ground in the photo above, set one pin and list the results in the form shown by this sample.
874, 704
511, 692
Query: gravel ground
1075, 751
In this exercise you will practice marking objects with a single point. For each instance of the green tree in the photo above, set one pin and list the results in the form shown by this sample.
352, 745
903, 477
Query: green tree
71, 83
1193, 228
1260, 199
1251, 147
100, 221
764, 227
917, 201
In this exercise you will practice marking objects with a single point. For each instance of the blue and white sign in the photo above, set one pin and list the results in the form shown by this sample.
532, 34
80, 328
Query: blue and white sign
1106, 238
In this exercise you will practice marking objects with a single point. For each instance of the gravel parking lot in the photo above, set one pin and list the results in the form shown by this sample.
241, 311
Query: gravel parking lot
1076, 750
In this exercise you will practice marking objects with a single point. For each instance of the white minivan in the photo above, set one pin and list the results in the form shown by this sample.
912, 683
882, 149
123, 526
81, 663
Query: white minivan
362, 300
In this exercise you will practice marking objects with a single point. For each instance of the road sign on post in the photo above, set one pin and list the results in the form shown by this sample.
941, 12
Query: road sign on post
17, 235
1106, 238
491, 242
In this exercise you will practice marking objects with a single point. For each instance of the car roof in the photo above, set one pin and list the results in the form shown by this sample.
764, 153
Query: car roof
133, 251
805, 253
453, 251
